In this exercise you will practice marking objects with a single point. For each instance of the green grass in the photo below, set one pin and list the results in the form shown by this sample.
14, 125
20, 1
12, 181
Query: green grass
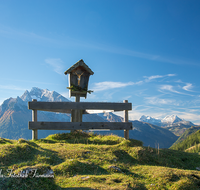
194, 149
83, 161
191, 140
187, 132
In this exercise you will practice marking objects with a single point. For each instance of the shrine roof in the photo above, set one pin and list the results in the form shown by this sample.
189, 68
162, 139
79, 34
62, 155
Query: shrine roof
77, 64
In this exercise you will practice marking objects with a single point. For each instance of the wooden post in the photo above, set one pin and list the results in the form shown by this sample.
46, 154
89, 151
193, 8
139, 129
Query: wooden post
126, 132
77, 98
34, 119
76, 115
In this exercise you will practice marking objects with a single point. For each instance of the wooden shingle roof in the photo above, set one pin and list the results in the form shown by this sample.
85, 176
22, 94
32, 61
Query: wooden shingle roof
77, 64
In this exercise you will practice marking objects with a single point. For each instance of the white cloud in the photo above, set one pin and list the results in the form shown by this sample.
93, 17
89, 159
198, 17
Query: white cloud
161, 112
188, 87
171, 75
152, 77
169, 88
157, 76
100, 86
155, 101
57, 65
110, 85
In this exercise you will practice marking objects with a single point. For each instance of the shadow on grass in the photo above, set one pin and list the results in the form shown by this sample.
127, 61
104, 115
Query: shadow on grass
169, 158
5, 141
46, 141
33, 183
75, 167
163, 157
29, 153
81, 188
124, 158
28, 183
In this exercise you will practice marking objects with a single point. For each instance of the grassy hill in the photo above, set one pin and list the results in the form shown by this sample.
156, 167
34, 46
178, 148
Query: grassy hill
187, 133
189, 141
178, 129
87, 161
194, 149
150, 135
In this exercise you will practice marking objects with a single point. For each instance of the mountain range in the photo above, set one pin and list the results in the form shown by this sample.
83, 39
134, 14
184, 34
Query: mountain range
14, 114
14, 117
172, 122
168, 121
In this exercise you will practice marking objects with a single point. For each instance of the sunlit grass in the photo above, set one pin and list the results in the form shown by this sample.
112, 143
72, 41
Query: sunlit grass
87, 161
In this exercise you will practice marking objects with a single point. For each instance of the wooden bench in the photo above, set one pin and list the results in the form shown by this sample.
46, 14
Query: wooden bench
69, 107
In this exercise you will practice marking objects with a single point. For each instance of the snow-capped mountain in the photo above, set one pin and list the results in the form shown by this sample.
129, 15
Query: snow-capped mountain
151, 120
35, 93
168, 121
109, 116
43, 95
15, 115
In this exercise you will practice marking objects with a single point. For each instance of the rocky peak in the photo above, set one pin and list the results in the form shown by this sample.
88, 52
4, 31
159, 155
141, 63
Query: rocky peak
170, 119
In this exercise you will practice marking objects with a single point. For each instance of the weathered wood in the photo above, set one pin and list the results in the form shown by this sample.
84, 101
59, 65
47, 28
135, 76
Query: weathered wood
73, 80
76, 115
34, 119
80, 125
77, 98
63, 106
126, 132
77, 64
79, 76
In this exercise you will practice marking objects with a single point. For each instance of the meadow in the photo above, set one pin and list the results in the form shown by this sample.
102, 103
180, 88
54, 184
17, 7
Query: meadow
82, 160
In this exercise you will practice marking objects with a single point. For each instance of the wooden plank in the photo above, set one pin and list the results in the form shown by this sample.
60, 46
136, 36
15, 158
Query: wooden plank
34, 119
76, 115
62, 106
126, 132
79, 125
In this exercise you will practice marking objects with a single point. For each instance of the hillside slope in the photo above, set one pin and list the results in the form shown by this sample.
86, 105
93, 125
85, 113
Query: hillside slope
150, 135
188, 132
85, 161
189, 141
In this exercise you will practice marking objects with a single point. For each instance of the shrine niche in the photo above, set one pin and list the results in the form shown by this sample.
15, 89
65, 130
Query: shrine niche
79, 74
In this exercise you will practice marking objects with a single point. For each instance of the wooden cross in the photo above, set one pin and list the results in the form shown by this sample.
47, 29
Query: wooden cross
79, 77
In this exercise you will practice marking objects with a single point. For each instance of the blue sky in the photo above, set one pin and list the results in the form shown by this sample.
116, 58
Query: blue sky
147, 52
